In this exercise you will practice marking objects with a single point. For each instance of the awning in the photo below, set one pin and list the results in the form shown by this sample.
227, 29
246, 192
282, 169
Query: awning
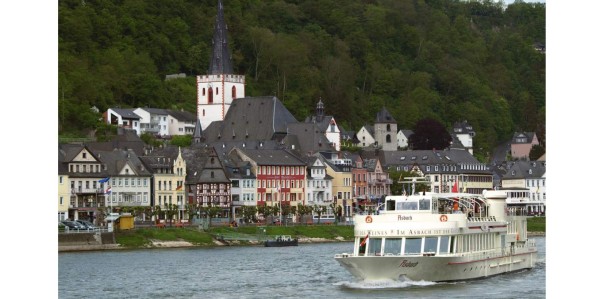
112, 217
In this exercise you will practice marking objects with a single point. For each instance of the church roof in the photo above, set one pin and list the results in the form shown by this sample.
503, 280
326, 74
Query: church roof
220, 62
251, 118
385, 117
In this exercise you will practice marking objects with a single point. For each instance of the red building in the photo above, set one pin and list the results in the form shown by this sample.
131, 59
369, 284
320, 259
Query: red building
280, 176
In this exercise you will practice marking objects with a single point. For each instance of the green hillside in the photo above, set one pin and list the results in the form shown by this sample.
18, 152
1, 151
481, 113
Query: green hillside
444, 59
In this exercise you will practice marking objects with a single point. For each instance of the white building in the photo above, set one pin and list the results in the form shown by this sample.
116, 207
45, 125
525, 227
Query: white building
220, 87
153, 121
365, 136
125, 118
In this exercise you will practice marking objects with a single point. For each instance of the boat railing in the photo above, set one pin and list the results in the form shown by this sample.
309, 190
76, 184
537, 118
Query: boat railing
482, 219
516, 211
479, 255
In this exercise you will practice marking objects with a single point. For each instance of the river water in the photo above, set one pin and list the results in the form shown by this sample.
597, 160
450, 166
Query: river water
306, 271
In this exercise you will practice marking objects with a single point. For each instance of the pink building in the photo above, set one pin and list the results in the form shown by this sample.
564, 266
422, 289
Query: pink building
522, 143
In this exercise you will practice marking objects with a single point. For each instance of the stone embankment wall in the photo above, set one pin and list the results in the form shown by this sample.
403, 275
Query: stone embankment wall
86, 241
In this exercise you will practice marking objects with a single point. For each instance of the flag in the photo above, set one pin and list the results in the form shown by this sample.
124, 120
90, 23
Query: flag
108, 191
179, 188
104, 180
455, 187
364, 242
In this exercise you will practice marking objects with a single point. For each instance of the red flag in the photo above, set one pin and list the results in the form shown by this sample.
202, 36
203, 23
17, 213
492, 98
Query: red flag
364, 242
455, 187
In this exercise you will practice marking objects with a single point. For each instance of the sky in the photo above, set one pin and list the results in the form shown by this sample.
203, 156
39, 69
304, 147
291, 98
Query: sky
29, 94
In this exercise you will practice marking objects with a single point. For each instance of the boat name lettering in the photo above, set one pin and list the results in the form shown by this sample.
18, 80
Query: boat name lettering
406, 263
402, 217
410, 232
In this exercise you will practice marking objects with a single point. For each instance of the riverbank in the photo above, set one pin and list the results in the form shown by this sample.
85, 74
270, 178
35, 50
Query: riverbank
153, 238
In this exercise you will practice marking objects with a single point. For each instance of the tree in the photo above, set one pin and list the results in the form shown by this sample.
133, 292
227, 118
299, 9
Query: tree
337, 211
429, 134
170, 212
149, 139
191, 210
319, 210
181, 140
536, 152
156, 212
266, 211
211, 212
249, 213
285, 211
303, 210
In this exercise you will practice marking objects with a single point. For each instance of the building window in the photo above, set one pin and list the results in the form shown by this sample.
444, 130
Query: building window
210, 95
233, 92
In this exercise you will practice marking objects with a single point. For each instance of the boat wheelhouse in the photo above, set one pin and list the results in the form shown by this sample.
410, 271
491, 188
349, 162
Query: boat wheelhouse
440, 237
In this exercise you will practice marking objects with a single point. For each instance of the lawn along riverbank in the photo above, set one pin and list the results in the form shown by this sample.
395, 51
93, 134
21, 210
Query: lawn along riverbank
172, 237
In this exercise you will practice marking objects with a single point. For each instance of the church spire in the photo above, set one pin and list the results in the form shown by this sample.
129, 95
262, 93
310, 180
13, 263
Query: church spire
320, 111
220, 62
198, 138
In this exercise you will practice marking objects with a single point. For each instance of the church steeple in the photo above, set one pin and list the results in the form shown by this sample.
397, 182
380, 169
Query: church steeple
320, 111
220, 87
220, 62
198, 138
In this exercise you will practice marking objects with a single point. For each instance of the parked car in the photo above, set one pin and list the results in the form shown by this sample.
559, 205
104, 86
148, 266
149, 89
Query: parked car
72, 224
87, 225
61, 227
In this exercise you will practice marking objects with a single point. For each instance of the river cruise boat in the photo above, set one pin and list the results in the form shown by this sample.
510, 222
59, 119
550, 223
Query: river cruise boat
440, 237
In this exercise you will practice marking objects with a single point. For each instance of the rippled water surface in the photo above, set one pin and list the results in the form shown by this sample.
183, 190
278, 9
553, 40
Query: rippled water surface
308, 271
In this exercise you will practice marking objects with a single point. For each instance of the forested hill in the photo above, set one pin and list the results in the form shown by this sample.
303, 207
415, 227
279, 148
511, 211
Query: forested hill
444, 59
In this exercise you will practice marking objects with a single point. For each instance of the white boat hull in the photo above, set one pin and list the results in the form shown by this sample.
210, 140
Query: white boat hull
434, 268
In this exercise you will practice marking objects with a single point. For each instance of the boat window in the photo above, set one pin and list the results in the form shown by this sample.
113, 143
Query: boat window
362, 247
424, 204
444, 242
390, 205
406, 205
412, 246
430, 244
374, 246
392, 246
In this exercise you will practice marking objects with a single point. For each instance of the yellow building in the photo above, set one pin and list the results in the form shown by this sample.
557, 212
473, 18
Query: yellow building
342, 185
169, 171
64, 196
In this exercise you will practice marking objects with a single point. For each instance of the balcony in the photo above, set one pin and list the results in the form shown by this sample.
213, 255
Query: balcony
81, 190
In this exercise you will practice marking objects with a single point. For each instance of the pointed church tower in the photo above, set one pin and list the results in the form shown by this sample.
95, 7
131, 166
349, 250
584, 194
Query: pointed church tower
320, 111
386, 130
218, 89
